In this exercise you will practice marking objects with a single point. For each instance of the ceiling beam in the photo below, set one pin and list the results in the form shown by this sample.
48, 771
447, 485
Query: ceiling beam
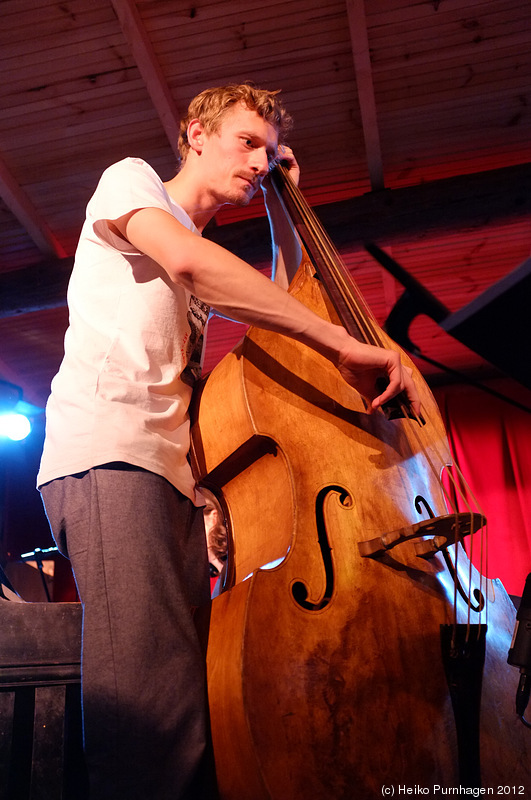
34, 288
23, 209
403, 215
386, 217
149, 68
359, 38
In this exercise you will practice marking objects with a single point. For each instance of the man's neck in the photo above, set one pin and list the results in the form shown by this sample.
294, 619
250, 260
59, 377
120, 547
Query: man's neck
187, 192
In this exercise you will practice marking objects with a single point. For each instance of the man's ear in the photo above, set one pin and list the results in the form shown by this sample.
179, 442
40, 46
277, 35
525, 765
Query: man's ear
196, 135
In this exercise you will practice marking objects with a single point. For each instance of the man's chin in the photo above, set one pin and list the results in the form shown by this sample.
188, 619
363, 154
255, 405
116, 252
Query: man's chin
239, 200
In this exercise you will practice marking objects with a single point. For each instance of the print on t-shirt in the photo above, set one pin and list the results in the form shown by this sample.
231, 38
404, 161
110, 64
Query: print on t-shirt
197, 317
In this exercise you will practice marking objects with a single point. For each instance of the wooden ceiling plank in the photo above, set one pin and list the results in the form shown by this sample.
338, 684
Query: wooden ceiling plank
508, 87
86, 67
460, 21
263, 54
391, 14
288, 30
217, 15
74, 105
145, 58
362, 66
94, 124
89, 24
421, 53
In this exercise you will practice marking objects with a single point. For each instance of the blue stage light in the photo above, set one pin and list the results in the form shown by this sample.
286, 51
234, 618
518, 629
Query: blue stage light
14, 426
15, 413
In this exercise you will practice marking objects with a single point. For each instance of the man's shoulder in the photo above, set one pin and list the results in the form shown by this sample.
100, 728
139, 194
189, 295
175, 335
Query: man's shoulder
132, 165
124, 180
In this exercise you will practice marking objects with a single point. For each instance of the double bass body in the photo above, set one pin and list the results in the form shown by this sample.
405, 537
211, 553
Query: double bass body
324, 666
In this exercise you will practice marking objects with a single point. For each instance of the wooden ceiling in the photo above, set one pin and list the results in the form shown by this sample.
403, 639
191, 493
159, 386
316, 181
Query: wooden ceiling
412, 128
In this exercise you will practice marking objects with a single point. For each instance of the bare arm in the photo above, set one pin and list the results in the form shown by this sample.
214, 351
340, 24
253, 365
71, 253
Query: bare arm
236, 290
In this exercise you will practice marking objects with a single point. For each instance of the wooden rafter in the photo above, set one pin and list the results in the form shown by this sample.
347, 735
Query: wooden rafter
23, 209
362, 65
149, 68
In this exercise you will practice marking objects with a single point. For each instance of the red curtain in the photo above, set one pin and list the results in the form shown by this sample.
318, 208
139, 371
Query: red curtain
491, 443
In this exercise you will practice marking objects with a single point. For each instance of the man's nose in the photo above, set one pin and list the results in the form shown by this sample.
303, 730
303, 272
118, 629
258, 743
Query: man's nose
260, 162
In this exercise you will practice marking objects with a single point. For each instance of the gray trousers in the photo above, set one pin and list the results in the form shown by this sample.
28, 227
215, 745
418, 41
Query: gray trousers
138, 552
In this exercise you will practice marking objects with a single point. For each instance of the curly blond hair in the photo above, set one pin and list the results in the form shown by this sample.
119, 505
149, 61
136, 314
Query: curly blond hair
211, 104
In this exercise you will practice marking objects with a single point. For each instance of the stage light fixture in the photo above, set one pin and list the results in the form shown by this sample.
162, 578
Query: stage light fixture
14, 426
15, 413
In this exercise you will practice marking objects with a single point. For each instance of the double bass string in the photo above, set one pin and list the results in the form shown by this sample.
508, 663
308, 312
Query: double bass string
457, 485
460, 488
342, 291
350, 305
462, 491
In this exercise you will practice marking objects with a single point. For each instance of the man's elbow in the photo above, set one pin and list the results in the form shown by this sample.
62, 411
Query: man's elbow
180, 273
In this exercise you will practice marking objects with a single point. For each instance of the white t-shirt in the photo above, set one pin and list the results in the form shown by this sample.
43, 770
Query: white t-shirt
132, 348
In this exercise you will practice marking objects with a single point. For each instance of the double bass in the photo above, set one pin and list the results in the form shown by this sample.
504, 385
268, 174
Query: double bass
354, 651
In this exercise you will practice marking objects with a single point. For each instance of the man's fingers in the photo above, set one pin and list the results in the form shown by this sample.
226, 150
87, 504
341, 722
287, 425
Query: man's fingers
376, 365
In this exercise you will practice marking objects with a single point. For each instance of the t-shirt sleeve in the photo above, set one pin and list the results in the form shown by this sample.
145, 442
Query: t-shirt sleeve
126, 186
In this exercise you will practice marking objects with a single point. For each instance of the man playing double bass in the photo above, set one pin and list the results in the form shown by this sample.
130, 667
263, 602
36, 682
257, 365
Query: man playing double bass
115, 478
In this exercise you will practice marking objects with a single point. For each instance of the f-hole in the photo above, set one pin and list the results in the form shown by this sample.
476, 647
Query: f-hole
300, 589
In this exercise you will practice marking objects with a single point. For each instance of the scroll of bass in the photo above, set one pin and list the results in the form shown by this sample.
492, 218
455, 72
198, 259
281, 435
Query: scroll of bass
328, 676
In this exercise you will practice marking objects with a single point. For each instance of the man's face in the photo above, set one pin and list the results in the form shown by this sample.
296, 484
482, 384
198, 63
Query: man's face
236, 157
